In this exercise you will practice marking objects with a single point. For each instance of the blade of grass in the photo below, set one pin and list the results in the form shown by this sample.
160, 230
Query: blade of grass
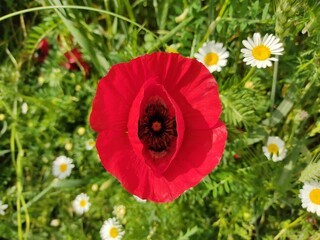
17, 13
164, 15
168, 36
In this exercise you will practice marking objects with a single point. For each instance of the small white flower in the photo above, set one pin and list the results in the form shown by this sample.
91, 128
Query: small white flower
55, 223
310, 197
119, 211
213, 55
139, 199
24, 108
62, 167
3, 207
90, 144
111, 230
257, 51
81, 204
275, 149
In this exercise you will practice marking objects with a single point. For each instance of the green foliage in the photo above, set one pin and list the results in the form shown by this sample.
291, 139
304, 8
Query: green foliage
312, 171
245, 197
38, 32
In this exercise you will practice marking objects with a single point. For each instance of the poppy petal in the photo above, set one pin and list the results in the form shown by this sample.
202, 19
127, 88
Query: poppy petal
115, 94
118, 158
200, 153
187, 170
191, 85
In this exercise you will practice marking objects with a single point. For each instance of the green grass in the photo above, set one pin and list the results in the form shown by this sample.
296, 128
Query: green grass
245, 197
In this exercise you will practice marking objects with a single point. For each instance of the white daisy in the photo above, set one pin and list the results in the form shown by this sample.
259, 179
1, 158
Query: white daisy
213, 55
62, 167
275, 149
258, 51
81, 204
90, 144
310, 197
3, 207
111, 230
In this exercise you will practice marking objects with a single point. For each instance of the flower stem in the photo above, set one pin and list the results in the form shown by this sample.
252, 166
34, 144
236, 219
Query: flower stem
249, 74
273, 89
246, 77
213, 24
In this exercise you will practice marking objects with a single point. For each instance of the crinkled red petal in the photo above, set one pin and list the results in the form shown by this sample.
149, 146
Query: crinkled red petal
200, 153
115, 94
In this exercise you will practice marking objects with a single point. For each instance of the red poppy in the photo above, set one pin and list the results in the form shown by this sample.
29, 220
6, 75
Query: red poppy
43, 51
75, 61
157, 119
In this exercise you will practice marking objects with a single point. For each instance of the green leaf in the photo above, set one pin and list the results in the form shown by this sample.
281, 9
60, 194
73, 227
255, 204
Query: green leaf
265, 11
282, 111
188, 234
69, 183
38, 32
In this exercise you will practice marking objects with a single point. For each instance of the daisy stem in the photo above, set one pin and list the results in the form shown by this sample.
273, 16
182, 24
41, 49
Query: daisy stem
273, 89
249, 74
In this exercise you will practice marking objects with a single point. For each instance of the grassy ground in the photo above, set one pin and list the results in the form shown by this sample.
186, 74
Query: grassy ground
246, 197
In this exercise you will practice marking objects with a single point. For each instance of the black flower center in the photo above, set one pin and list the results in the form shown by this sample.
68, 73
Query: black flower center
157, 128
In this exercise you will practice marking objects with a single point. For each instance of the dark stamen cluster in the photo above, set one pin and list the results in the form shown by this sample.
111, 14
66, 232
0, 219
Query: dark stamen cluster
157, 129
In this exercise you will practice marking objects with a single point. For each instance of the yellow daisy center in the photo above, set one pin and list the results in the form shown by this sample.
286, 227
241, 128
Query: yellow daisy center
83, 203
92, 143
273, 148
211, 59
114, 232
63, 167
261, 52
315, 196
